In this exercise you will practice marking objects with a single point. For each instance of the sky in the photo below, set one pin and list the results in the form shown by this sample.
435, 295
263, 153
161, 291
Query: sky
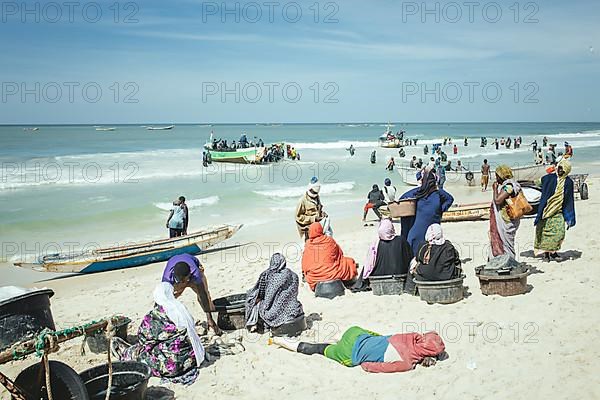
187, 61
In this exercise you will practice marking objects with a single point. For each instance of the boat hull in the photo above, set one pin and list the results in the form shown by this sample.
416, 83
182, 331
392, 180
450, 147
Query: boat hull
136, 255
456, 178
241, 156
467, 212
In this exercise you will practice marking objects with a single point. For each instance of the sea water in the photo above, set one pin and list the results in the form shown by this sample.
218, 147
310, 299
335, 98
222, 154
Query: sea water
64, 188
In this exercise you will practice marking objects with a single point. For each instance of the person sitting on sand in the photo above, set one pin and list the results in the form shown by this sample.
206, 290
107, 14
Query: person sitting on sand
167, 340
185, 271
273, 301
323, 259
437, 259
388, 255
309, 209
373, 352
375, 200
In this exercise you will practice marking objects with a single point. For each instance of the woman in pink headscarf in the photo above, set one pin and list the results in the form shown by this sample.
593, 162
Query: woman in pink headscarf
388, 255
437, 259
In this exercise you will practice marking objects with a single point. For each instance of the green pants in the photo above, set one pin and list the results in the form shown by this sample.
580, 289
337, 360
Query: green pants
342, 350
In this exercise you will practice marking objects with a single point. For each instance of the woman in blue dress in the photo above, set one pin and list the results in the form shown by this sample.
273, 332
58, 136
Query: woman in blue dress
432, 202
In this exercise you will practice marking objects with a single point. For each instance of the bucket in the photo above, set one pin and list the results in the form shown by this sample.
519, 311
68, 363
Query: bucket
387, 285
291, 329
503, 285
442, 292
99, 343
330, 289
22, 317
129, 381
403, 208
232, 312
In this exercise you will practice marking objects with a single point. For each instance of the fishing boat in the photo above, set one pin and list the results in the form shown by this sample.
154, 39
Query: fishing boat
160, 128
472, 179
252, 155
101, 129
390, 141
467, 212
135, 255
31, 129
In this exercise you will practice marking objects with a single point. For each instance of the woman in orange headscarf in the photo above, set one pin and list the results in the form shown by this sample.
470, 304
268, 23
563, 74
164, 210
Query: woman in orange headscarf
323, 259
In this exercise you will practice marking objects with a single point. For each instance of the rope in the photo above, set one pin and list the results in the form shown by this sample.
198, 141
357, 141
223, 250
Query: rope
47, 371
110, 333
16, 392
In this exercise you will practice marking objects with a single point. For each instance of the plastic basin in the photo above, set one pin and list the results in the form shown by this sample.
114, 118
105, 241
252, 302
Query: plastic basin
129, 382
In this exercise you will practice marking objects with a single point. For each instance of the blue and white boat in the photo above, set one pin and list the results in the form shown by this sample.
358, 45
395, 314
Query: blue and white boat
135, 255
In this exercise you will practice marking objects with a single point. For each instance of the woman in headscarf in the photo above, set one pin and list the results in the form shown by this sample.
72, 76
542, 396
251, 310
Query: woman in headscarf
309, 208
274, 299
375, 353
167, 340
388, 255
557, 207
503, 230
432, 202
437, 259
323, 259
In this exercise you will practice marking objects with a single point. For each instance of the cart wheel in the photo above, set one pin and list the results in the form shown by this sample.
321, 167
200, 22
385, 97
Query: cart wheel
583, 191
64, 381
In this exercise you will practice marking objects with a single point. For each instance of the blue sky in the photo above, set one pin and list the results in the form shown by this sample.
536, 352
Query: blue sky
368, 56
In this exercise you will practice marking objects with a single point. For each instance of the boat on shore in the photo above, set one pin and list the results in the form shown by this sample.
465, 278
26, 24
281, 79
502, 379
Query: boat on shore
473, 179
467, 212
160, 128
135, 255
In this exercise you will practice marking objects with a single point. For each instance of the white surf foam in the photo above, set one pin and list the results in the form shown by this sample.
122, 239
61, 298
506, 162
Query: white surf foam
193, 203
299, 191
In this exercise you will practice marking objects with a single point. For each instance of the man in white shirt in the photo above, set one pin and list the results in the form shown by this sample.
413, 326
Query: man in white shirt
389, 191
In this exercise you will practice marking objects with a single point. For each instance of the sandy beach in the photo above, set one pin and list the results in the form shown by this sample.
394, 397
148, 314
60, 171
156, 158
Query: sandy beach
541, 344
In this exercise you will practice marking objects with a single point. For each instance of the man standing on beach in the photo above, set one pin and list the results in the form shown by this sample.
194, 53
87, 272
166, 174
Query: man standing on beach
485, 175
177, 222
185, 271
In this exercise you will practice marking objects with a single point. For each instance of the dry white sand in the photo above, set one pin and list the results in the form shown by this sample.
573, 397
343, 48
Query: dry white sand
539, 345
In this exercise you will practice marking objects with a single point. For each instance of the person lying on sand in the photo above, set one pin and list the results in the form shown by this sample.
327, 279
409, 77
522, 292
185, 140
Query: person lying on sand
185, 271
373, 352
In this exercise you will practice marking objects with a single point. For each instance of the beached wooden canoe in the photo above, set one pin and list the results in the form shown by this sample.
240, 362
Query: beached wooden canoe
135, 255
467, 212
473, 179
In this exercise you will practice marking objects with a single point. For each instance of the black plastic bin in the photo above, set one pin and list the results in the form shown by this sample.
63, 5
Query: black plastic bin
22, 317
129, 381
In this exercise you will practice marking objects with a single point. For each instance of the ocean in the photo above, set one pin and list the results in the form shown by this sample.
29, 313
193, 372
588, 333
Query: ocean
73, 187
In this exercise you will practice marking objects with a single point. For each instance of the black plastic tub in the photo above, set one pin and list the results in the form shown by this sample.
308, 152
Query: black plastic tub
291, 329
441, 292
387, 285
22, 317
129, 381
232, 312
330, 289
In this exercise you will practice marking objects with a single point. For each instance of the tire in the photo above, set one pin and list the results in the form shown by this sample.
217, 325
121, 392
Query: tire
469, 175
583, 191
65, 382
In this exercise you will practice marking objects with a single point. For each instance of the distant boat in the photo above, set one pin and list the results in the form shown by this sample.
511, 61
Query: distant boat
135, 255
388, 140
101, 129
31, 129
160, 128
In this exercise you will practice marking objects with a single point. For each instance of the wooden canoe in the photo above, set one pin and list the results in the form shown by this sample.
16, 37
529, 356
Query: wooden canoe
467, 212
135, 255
